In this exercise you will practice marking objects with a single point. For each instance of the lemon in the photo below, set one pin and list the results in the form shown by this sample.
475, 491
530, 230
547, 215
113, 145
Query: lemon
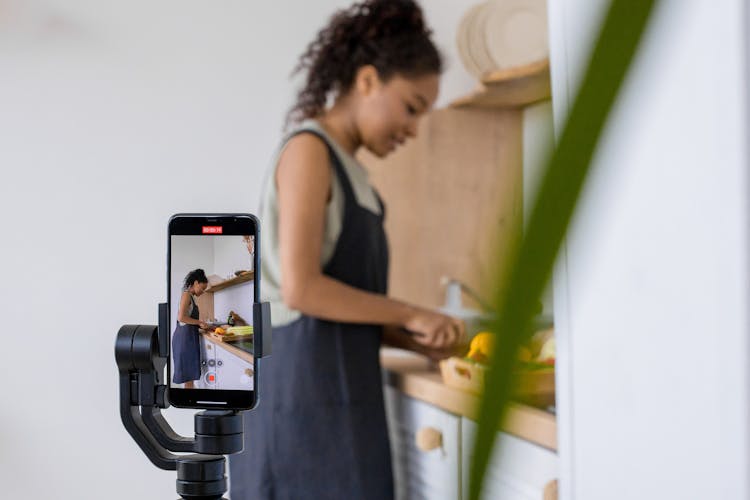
482, 344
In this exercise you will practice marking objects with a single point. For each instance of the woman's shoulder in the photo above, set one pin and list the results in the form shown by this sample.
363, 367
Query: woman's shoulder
305, 154
356, 174
310, 136
309, 141
306, 150
301, 155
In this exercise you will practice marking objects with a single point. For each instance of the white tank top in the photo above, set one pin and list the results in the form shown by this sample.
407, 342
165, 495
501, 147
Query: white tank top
269, 215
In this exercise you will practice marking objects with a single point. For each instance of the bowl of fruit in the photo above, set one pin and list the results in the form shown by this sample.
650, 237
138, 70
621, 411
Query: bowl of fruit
534, 372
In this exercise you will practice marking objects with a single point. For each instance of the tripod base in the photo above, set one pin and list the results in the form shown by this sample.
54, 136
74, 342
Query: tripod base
201, 477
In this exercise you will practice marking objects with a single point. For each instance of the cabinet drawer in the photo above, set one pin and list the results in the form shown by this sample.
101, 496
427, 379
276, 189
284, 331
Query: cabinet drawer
423, 474
233, 371
208, 365
519, 470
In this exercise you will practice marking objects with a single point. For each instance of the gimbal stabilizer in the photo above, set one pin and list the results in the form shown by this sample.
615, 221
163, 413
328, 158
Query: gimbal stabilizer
142, 352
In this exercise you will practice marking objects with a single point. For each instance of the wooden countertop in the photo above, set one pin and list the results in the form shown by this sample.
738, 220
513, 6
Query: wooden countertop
417, 377
230, 347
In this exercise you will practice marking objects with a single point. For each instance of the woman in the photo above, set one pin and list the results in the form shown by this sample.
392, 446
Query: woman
186, 353
319, 431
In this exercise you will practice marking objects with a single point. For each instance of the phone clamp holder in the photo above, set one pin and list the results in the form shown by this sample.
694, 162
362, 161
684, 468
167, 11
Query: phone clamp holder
141, 353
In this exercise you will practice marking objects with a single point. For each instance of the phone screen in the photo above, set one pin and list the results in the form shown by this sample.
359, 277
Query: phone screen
212, 285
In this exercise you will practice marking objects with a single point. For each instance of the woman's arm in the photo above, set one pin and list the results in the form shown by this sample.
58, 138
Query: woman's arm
303, 180
182, 312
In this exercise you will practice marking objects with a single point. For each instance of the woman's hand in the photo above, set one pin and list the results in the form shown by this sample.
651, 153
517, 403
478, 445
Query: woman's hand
395, 336
439, 354
202, 325
434, 330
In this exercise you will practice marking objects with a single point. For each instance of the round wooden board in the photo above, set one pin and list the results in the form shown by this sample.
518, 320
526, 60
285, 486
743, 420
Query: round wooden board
463, 36
515, 32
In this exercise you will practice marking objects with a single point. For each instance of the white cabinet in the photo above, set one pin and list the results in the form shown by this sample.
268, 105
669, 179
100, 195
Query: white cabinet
519, 470
233, 372
432, 474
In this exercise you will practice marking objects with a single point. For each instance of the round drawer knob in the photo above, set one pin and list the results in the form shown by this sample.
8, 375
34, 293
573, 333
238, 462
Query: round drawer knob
428, 439
550, 490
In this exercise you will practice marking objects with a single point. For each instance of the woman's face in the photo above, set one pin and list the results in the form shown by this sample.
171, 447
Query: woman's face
389, 112
198, 288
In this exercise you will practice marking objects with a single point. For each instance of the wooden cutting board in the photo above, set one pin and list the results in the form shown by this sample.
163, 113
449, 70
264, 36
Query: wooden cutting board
230, 338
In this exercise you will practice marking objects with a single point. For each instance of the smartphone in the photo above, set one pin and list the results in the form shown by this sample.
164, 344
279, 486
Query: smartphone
213, 279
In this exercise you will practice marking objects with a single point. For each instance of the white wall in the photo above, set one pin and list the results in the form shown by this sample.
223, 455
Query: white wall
651, 293
230, 255
538, 140
113, 116
238, 299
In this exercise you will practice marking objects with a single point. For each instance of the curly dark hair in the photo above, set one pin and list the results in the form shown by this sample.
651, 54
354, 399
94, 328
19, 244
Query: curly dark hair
198, 275
390, 35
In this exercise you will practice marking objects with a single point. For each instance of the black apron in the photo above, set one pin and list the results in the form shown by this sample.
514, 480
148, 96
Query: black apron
319, 431
186, 351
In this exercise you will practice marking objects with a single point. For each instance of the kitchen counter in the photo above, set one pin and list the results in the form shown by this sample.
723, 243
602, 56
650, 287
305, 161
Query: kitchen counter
242, 348
417, 377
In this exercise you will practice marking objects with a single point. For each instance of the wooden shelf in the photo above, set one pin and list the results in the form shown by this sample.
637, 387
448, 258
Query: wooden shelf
510, 88
242, 278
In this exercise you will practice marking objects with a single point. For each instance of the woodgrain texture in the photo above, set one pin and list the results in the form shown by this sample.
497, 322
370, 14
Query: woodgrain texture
453, 200
205, 305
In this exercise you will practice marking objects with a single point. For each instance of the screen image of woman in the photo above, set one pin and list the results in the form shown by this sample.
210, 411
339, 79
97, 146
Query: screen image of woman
186, 354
